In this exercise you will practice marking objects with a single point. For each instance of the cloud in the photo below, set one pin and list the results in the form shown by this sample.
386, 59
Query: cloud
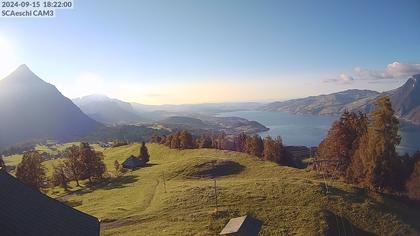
342, 79
394, 71
90, 83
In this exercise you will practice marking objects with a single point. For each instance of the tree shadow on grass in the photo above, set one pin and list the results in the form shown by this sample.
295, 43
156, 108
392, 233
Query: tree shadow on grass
149, 165
214, 168
338, 225
110, 183
141, 167
407, 211
359, 195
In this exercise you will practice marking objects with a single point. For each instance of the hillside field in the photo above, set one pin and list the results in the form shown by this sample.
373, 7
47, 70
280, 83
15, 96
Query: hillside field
289, 201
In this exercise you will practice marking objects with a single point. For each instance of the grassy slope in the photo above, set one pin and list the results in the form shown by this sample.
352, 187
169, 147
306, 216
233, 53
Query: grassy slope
289, 201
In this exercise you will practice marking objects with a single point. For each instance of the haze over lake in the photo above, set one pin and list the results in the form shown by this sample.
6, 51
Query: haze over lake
309, 130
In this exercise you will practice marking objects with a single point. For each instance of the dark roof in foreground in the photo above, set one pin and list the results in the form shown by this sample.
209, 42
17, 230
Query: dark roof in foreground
25, 211
133, 162
243, 226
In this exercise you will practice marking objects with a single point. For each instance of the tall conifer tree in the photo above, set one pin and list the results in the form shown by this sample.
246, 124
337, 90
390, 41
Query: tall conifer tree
144, 153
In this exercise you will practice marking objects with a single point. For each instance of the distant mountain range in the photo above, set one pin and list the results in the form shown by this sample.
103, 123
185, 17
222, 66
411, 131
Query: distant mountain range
330, 104
112, 111
229, 125
32, 109
203, 108
193, 117
405, 101
108, 110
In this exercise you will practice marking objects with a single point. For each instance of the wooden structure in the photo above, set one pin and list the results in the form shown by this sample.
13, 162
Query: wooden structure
26, 211
242, 226
133, 162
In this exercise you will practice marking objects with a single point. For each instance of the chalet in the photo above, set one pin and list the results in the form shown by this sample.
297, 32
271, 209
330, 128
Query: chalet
133, 162
105, 145
242, 226
25, 211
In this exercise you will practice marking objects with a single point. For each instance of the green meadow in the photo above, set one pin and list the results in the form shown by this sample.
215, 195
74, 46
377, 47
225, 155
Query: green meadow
174, 196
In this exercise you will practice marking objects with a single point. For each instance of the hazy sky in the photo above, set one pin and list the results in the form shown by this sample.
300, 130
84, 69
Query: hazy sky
197, 51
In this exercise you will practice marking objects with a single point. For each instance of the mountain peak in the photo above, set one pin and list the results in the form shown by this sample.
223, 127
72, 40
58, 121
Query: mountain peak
97, 96
32, 109
23, 68
92, 98
23, 75
412, 82
416, 77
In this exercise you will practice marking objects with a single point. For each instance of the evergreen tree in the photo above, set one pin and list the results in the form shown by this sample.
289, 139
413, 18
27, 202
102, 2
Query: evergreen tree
269, 153
228, 144
31, 170
253, 145
219, 141
168, 141
248, 146
144, 153
285, 158
256, 146
175, 141
240, 142
185, 140
356, 172
274, 151
376, 163
163, 139
204, 141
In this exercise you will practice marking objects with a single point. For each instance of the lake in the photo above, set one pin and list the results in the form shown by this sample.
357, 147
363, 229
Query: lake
309, 130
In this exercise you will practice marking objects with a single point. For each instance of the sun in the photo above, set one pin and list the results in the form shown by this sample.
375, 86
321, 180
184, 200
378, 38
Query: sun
8, 56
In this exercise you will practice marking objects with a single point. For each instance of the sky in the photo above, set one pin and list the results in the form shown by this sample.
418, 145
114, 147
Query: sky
197, 51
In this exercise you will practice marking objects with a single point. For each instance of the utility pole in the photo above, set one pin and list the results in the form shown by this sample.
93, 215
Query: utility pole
164, 182
215, 194
310, 152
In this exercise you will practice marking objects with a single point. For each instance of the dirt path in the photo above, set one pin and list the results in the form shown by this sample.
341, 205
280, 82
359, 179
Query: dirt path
130, 220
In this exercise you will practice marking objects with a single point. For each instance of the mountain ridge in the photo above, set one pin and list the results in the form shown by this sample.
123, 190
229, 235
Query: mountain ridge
108, 110
405, 100
326, 104
34, 109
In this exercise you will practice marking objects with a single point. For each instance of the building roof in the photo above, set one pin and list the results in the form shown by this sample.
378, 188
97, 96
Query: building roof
244, 225
133, 162
25, 211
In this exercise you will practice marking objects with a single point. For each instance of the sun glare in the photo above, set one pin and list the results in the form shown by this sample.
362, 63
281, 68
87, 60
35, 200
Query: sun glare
8, 57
